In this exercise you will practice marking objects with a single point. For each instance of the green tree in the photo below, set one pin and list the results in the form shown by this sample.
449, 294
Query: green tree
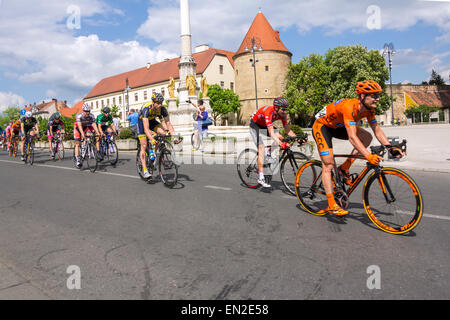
319, 80
10, 114
222, 101
115, 111
436, 79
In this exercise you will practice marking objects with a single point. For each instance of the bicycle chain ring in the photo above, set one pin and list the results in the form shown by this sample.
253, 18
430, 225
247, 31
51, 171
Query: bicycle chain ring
341, 198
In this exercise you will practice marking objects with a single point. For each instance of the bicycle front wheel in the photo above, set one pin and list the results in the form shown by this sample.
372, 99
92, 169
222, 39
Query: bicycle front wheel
309, 188
289, 168
112, 153
168, 170
91, 157
393, 201
31, 153
60, 150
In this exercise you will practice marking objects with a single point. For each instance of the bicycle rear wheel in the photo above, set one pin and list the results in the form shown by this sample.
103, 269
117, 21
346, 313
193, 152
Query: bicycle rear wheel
31, 153
393, 201
247, 168
289, 168
309, 188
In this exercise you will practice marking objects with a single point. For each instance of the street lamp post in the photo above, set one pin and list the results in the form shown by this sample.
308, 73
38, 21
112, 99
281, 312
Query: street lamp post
389, 51
255, 45
127, 88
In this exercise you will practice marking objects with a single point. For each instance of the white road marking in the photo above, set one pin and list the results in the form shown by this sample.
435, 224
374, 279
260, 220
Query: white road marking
218, 188
425, 215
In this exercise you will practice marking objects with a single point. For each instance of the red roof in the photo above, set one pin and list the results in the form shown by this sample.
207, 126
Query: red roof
68, 112
264, 35
157, 73
439, 99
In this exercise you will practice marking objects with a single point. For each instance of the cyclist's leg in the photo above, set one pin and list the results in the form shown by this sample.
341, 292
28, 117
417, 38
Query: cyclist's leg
50, 138
323, 136
366, 139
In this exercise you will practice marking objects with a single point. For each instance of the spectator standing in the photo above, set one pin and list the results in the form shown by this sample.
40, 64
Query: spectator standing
116, 121
133, 118
201, 116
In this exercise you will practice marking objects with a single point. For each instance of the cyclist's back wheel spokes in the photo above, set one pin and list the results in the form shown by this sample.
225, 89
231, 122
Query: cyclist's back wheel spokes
289, 168
193, 144
393, 201
91, 157
168, 170
112, 153
309, 188
247, 167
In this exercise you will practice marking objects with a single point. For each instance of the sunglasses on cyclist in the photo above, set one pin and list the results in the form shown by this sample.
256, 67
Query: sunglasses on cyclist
283, 109
375, 95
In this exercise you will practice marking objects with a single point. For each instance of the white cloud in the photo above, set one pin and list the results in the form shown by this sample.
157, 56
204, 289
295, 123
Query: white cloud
37, 42
9, 99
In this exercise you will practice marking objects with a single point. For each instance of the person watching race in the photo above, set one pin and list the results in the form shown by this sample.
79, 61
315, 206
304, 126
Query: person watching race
149, 126
338, 120
105, 123
55, 125
261, 125
28, 125
84, 126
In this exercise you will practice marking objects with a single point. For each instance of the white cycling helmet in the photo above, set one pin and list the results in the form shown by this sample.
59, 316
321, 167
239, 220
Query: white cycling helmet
28, 114
86, 107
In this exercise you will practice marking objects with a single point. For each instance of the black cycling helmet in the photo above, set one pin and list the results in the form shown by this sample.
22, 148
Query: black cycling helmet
106, 110
157, 97
281, 102
57, 115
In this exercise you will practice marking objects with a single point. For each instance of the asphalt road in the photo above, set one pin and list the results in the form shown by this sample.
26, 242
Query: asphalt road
208, 238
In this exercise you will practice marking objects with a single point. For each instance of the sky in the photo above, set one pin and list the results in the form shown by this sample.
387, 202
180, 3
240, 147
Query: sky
62, 48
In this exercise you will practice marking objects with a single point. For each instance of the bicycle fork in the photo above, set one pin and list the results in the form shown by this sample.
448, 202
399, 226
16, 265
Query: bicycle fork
385, 188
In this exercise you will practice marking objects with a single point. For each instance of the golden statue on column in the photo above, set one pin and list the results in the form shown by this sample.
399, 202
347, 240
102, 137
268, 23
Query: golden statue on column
171, 88
204, 86
191, 84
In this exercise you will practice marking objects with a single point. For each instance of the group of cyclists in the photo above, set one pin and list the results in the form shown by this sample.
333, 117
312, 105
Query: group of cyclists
337, 120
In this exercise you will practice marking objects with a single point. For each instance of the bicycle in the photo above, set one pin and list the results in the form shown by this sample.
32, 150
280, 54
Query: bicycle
88, 153
395, 206
29, 149
58, 146
289, 161
13, 147
164, 161
108, 149
200, 138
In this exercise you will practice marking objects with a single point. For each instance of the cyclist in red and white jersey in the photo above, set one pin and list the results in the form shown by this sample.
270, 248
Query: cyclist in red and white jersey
262, 125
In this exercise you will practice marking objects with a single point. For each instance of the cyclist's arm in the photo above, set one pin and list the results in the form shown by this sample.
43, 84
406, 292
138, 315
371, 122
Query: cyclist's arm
149, 133
354, 140
274, 136
288, 130
169, 125
96, 128
379, 134
22, 128
51, 130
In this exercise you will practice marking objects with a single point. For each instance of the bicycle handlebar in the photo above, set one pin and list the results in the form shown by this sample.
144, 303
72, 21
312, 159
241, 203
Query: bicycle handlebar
302, 139
381, 150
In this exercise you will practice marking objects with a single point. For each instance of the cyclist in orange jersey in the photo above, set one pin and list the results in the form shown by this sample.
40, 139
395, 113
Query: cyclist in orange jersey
338, 120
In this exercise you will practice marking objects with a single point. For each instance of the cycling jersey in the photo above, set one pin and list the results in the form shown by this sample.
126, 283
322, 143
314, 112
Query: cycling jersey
86, 121
15, 127
265, 117
104, 121
28, 123
151, 115
344, 113
55, 123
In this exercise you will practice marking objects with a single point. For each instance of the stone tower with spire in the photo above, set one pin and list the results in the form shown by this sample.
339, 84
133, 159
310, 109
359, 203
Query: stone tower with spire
273, 60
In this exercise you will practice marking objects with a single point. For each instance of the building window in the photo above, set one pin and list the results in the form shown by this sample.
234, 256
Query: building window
237, 72
92, 105
103, 103
107, 102
145, 95
120, 100
153, 91
221, 69
163, 92
114, 101
267, 68
232, 86
136, 98
96, 104
222, 84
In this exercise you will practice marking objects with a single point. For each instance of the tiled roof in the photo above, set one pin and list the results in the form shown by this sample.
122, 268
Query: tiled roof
158, 72
264, 35
68, 112
439, 99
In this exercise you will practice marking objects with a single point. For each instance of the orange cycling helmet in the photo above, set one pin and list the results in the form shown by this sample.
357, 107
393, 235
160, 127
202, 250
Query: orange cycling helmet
368, 86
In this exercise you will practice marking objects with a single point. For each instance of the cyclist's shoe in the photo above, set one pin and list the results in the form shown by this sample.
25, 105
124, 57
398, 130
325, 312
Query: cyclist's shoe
336, 210
263, 183
146, 174
347, 178
100, 157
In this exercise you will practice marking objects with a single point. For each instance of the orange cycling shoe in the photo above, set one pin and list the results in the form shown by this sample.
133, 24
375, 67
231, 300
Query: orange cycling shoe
336, 210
